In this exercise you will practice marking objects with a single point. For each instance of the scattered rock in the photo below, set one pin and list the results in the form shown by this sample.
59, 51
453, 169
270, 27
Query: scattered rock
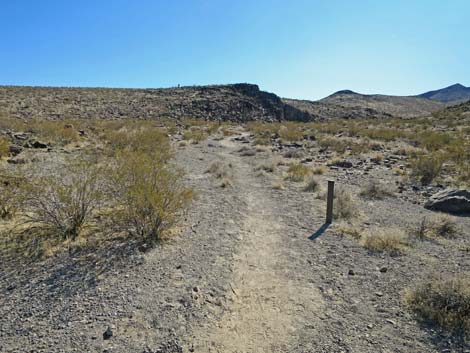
450, 201
38, 144
351, 272
383, 269
108, 333
16, 161
15, 150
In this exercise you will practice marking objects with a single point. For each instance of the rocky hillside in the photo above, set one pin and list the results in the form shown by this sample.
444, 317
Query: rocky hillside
237, 102
452, 94
351, 105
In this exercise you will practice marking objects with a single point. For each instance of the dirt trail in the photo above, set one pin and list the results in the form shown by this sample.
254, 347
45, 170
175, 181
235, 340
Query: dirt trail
268, 307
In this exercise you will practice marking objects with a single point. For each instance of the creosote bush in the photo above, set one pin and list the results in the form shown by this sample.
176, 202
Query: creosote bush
426, 168
444, 301
149, 194
63, 202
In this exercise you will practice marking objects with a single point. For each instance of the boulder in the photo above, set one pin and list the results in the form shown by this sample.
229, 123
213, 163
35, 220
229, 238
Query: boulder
38, 144
15, 150
450, 201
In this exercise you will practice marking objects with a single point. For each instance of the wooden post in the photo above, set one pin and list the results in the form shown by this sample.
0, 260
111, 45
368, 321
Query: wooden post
329, 201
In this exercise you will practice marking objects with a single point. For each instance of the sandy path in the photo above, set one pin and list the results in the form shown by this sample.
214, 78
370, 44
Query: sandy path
267, 307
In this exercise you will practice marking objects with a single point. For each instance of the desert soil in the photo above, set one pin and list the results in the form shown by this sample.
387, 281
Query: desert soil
251, 269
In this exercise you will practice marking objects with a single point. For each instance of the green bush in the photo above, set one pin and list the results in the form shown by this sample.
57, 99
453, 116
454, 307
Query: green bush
426, 167
149, 195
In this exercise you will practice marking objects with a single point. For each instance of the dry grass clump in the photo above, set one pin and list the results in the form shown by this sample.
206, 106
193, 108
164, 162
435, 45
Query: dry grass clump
344, 205
195, 135
443, 300
312, 185
277, 185
269, 167
377, 158
319, 170
226, 183
426, 168
439, 226
375, 190
347, 229
297, 172
293, 154
391, 241
218, 169
4, 147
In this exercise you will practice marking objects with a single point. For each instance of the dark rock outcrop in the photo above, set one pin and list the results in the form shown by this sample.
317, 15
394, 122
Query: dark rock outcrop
450, 201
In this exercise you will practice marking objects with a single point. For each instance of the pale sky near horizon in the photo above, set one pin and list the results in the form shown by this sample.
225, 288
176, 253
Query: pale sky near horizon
296, 49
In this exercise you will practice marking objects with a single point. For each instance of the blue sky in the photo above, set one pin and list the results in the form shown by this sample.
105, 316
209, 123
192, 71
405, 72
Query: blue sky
297, 48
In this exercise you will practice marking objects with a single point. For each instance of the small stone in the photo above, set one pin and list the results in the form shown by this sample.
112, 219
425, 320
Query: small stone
351, 272
383, 269
379, 294
108, 333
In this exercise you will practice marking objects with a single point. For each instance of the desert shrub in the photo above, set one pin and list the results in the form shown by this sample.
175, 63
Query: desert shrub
426, 168
247, 151
312, 185
352, 231
151, 140
4, 147
444, 300
149, 194
62, 202
269, 167
54, 131
344, 206
218, 169
297, 172
226, 183
293, 154
262, 141
319, 170
195, 135
375, 190
377, 158
11, 193
382, 134
437, 226
391, 241
291, 132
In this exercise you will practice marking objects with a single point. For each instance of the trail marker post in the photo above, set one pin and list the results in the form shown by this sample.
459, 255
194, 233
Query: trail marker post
329, 201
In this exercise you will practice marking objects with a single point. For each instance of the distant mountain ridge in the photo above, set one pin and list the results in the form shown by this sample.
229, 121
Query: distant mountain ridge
452, 94
347, 104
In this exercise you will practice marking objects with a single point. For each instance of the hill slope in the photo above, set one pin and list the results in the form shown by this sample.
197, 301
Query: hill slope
351, 105
237, 102
455, 93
